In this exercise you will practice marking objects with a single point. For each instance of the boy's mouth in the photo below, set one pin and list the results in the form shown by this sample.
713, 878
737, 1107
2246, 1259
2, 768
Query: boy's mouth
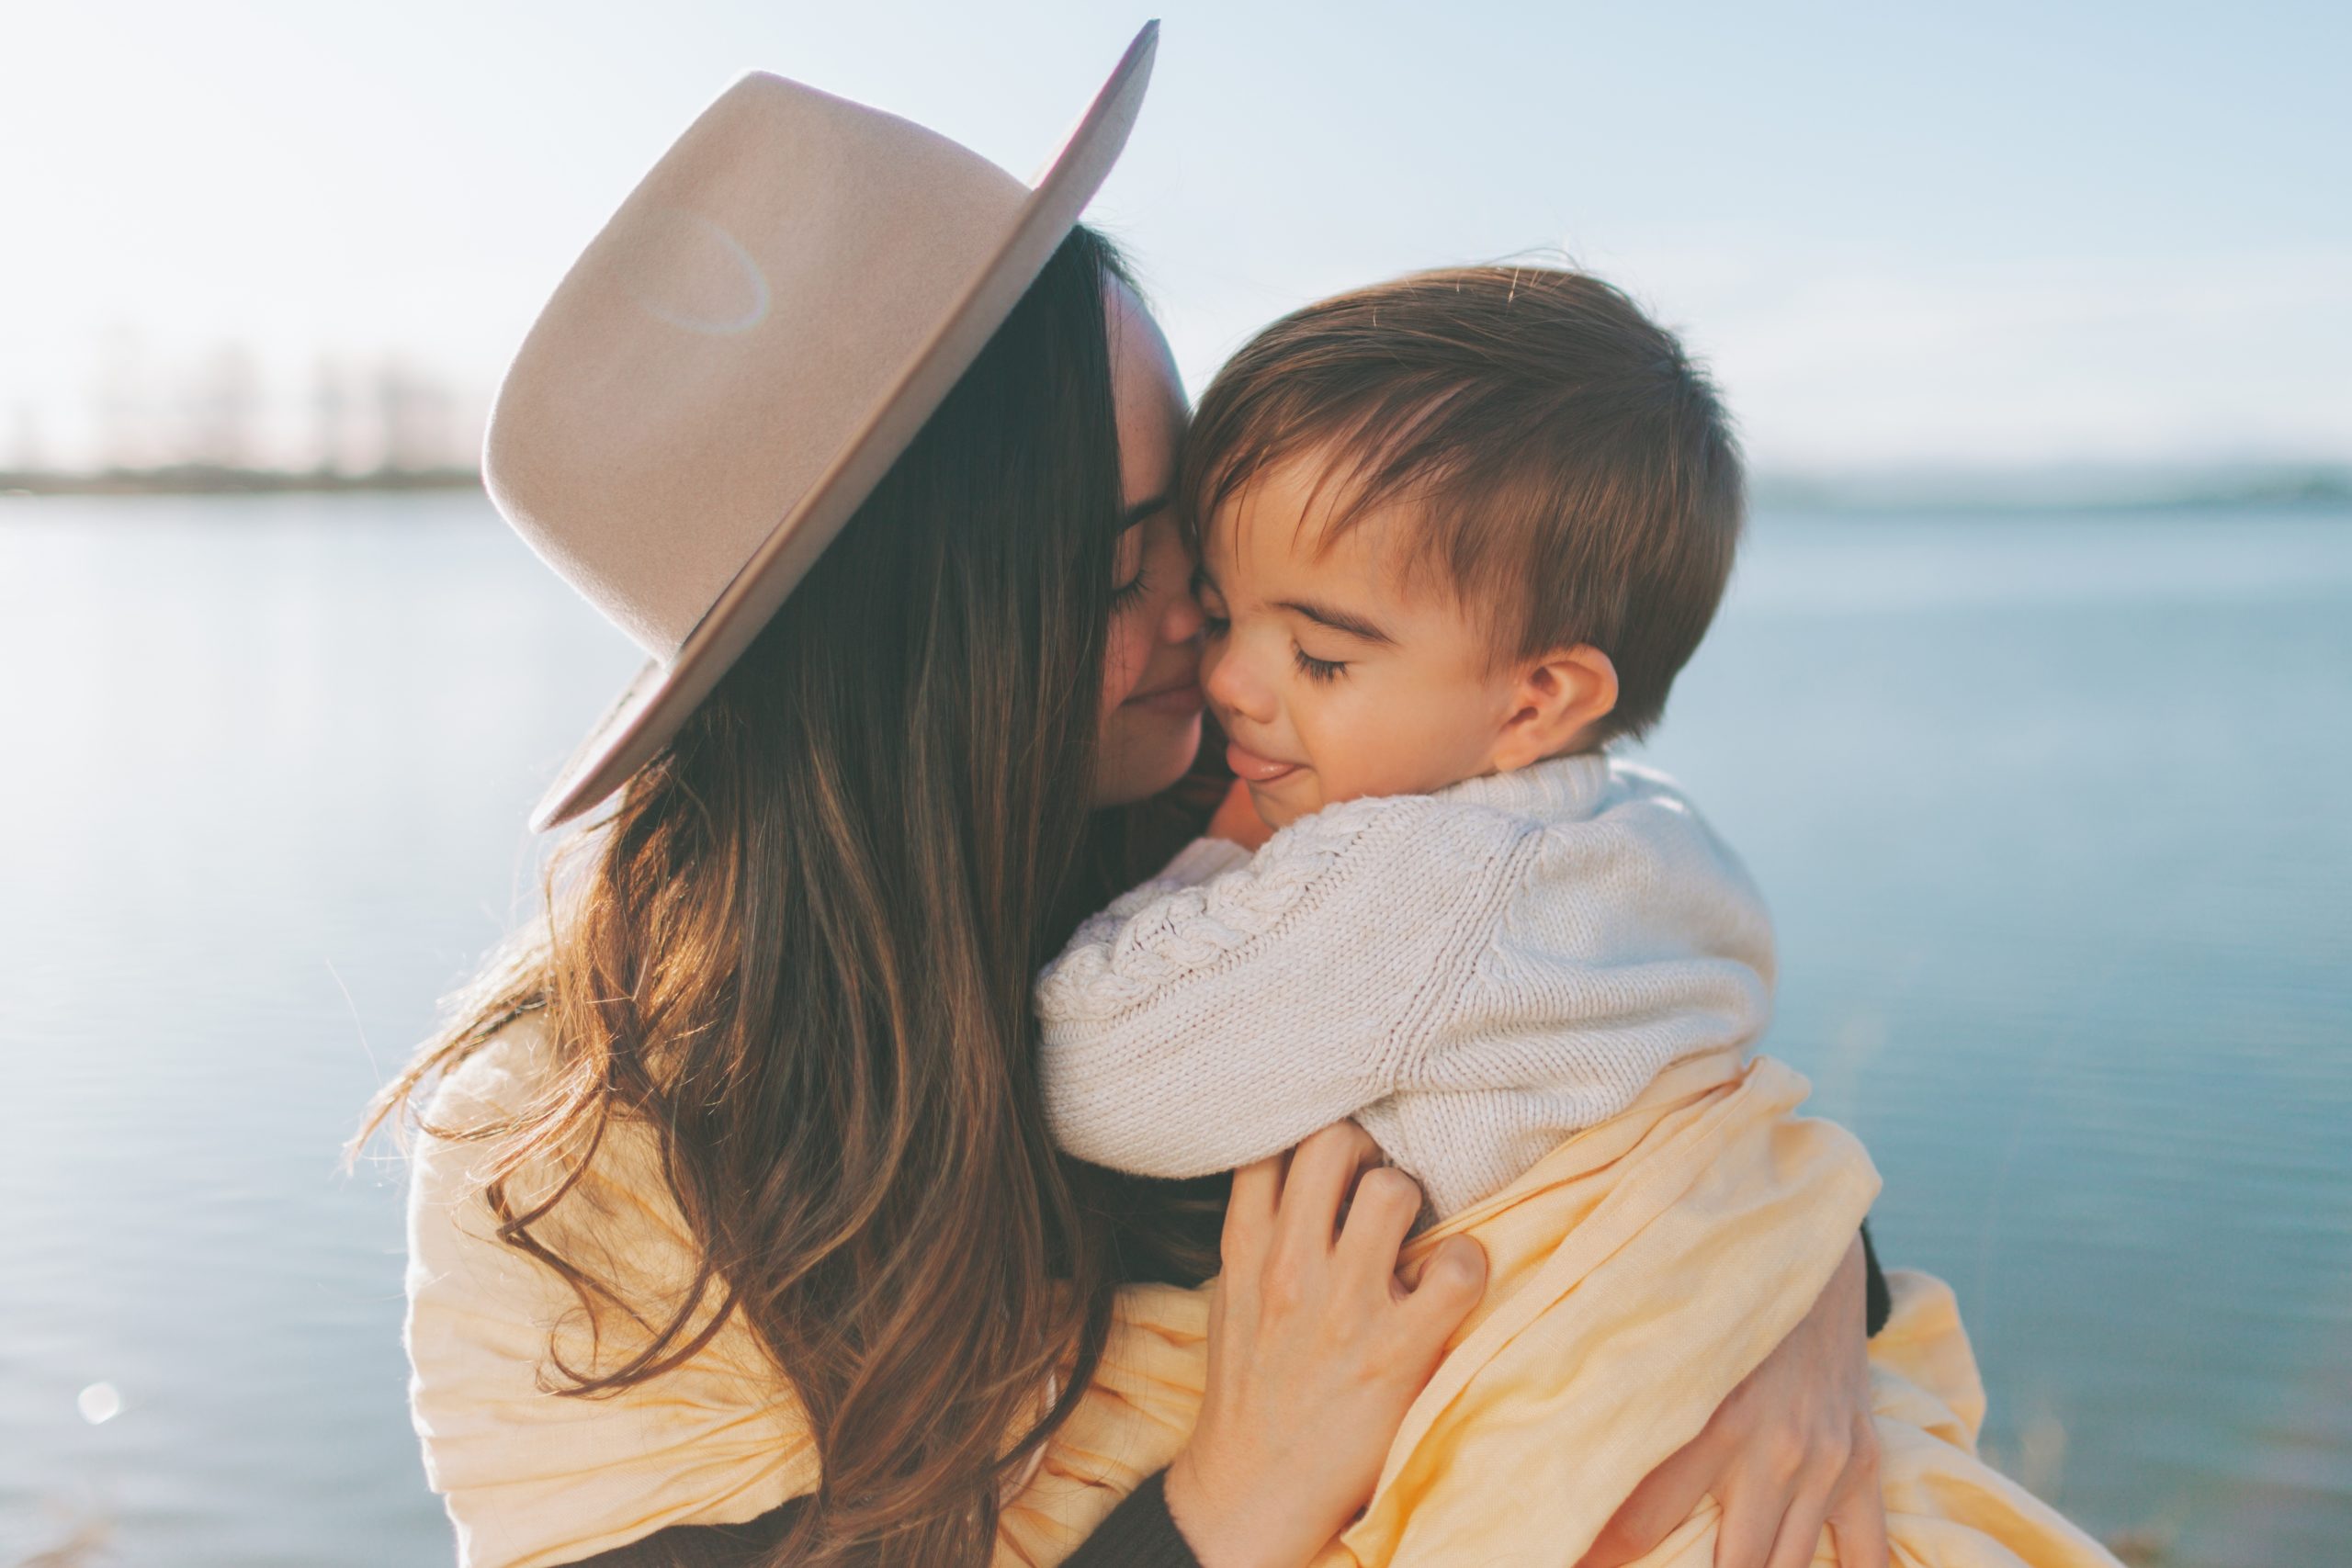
1251, 768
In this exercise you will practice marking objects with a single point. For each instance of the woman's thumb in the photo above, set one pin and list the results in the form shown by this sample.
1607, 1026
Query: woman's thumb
1452, 1279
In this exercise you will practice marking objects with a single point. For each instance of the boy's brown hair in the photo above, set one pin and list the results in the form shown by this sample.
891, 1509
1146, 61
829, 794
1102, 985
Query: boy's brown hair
1569, 464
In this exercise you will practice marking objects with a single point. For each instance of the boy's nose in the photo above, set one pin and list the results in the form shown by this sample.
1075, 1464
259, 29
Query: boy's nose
1224, 677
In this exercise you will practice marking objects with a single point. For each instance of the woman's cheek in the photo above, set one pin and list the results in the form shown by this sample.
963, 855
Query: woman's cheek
1122, 660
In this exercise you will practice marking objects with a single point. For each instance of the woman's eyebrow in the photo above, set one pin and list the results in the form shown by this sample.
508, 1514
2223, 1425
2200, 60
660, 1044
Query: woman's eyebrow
1141, 510
1338, 620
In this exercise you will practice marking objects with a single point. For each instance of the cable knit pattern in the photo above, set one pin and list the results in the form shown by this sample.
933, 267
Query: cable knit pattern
1472, 975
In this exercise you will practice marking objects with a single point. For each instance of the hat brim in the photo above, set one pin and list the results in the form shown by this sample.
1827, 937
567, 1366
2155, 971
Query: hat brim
657, 702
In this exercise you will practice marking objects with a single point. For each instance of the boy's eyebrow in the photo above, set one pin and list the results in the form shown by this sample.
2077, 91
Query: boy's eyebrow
1141, 510
1338, 620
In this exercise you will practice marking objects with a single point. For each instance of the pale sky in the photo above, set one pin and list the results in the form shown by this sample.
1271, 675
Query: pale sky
1999, 234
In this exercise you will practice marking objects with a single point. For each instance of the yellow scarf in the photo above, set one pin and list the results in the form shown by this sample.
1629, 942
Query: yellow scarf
1638, 1273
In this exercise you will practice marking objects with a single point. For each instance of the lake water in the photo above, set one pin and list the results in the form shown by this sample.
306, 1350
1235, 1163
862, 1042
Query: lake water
2051, 810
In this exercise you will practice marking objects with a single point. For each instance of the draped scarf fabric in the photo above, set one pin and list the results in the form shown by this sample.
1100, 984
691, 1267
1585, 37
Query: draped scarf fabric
1638, 1273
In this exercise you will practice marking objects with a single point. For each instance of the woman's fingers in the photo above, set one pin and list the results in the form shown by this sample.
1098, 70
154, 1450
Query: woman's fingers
1858, 1511
1860, 1535
1790, 1449
1663, 1500
1250, 1213
1380, 1216
1750, 1524
1800, 1533
1314, 1354
1451, 1284
1322, 1170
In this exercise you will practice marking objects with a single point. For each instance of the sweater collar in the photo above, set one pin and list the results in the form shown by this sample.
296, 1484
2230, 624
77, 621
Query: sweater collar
1555, 788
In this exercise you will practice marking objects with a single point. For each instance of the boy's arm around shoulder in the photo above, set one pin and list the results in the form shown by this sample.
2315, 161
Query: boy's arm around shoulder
1208, 1021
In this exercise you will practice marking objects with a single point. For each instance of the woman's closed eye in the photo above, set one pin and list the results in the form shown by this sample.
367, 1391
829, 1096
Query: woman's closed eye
1132, 590
1315, 668
1131, 555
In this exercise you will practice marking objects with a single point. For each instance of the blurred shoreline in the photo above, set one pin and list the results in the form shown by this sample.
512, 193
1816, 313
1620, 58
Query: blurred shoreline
2323, 487
2060, 487
208, 479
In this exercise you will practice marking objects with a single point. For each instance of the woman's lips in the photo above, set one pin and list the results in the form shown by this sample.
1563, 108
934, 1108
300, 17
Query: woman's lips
1252, 767
1182, 699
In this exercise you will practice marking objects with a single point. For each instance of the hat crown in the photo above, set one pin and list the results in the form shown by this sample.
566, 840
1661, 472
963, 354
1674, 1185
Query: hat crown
736, 360
720, 344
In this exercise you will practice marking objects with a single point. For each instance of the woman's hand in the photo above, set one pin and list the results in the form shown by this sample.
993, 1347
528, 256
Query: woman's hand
1791, 1450
1315, 1348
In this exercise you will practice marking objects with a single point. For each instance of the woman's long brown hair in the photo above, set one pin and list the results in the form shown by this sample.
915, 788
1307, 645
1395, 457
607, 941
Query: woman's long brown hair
800, 947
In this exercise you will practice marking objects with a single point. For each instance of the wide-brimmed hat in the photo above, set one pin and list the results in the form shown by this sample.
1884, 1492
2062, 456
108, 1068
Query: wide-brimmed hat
735, 361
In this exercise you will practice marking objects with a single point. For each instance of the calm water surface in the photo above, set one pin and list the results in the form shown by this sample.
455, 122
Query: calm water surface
2051, 811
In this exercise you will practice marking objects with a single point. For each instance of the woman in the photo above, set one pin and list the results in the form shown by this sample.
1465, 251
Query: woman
737, 1234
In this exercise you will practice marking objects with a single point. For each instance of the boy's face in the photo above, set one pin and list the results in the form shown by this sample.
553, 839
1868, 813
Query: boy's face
1331, 677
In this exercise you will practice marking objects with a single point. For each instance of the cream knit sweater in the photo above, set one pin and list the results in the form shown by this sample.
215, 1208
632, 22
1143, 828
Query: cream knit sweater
1472, 976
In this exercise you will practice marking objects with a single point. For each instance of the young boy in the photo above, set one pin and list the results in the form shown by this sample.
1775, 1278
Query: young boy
1458, 533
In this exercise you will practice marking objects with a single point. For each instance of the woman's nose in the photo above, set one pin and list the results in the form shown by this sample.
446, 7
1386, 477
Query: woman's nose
1182, 620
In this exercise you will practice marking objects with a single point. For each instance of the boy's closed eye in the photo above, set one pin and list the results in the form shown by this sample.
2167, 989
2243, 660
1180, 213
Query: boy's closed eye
1346, 626
1315, 668
1214, 618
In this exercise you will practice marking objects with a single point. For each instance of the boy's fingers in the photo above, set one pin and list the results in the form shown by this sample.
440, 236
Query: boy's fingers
1662, 1501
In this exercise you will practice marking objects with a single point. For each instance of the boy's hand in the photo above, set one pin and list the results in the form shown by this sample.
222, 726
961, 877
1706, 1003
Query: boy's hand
1236, 819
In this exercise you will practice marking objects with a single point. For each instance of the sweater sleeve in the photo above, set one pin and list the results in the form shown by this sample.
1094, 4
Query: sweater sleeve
1194, 1028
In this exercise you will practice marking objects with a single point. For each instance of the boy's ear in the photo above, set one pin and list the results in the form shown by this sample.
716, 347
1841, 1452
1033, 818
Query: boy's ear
1558, 698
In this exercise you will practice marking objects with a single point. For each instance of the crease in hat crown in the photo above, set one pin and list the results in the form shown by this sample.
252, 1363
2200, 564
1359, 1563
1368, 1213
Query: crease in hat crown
736, 358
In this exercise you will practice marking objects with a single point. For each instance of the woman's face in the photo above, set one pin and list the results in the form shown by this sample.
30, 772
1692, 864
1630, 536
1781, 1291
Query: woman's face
1151, 671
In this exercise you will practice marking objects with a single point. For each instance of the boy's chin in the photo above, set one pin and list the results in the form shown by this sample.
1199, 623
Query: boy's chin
1276, 811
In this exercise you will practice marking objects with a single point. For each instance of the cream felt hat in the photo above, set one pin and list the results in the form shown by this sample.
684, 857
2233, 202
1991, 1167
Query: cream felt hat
736, 360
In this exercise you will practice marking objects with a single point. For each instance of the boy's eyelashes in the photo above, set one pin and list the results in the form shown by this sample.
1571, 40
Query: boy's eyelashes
1214, 627
1315, 668
1212, 603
